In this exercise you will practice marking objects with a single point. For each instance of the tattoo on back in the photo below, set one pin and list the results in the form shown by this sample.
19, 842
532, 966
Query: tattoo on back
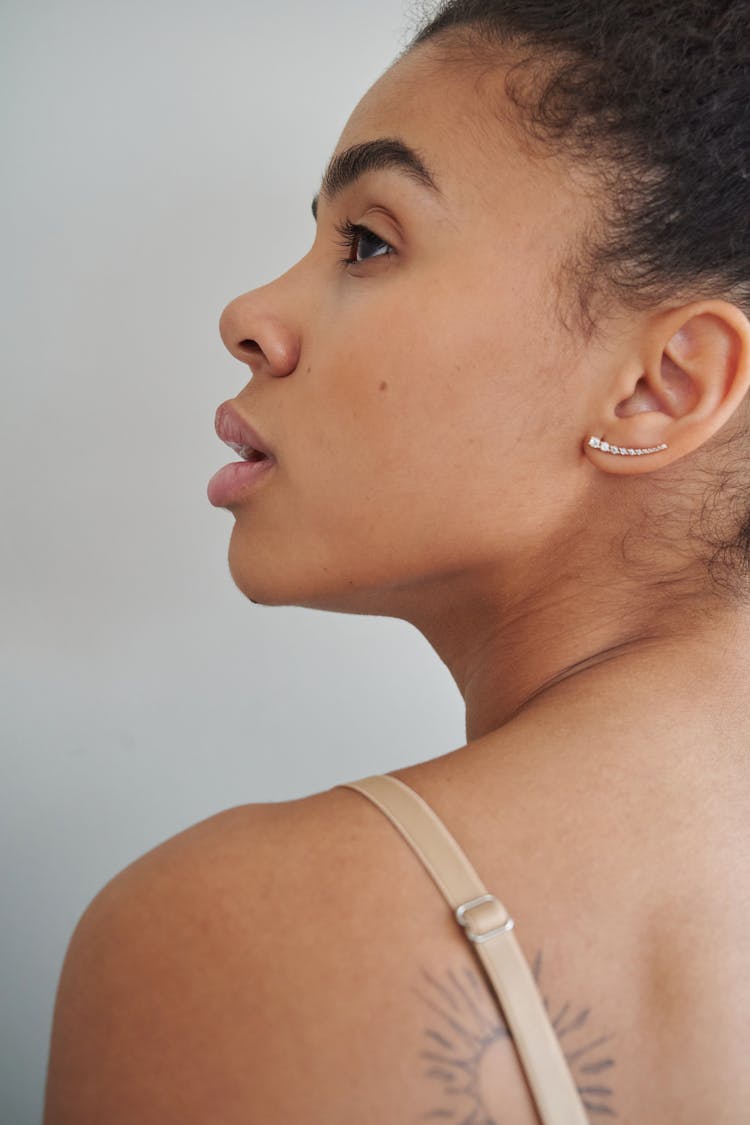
468, 1033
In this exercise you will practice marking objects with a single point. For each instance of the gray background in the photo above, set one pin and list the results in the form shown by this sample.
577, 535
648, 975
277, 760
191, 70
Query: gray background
159, 158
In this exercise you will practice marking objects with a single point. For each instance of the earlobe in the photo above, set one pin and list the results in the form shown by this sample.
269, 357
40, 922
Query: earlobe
695, 373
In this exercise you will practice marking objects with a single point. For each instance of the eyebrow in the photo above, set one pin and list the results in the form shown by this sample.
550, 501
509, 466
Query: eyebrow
371, 156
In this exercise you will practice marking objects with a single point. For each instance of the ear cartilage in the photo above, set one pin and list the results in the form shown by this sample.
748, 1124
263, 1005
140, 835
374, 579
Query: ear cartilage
605, 447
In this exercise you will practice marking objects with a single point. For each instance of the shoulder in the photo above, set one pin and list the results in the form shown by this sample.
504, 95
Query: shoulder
282, 956
179, 972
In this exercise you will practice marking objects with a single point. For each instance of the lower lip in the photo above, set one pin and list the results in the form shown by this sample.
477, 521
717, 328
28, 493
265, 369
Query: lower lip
235, 481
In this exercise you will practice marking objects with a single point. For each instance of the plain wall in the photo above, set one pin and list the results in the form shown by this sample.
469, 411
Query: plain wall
159, 158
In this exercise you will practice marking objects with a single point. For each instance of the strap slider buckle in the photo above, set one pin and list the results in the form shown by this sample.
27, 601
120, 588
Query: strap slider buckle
478, 936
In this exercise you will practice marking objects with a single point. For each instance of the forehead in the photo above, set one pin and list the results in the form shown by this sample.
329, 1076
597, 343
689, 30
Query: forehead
457, 116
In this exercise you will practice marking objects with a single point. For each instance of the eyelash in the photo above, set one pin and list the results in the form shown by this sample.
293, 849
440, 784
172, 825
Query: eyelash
350, 233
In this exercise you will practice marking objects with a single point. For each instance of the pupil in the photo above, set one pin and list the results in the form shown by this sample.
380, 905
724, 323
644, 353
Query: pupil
369, 241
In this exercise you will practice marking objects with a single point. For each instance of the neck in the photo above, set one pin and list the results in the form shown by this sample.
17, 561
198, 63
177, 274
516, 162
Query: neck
509, 662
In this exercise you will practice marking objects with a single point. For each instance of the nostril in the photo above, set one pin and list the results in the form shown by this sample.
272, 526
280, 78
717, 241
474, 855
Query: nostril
249, 346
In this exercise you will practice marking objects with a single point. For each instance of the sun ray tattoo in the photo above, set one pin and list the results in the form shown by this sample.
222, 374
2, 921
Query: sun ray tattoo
468, 1032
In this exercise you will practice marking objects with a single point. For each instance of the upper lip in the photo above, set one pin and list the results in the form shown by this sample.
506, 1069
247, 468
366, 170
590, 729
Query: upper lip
238, 434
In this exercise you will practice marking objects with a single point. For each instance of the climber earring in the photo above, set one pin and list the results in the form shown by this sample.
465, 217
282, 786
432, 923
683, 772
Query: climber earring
597, 443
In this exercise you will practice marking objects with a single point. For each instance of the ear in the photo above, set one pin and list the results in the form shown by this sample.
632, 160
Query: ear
692, 373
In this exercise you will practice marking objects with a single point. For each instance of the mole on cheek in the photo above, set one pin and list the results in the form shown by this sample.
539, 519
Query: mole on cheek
384, 386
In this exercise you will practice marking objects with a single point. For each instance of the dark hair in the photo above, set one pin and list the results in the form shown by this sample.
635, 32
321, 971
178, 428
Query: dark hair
657, 95
653, 96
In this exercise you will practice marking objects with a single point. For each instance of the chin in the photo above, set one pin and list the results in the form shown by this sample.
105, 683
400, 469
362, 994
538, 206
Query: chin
270, 585
294, 575
259, 587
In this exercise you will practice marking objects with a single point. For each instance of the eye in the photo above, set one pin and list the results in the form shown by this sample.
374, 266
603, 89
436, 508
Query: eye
359, 239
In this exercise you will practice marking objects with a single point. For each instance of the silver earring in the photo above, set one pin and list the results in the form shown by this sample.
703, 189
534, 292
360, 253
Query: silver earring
597, 443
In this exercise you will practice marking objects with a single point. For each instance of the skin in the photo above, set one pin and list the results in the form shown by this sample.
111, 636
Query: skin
429, 414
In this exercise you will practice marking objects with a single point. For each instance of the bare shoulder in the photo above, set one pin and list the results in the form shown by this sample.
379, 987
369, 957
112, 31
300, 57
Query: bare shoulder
165, 965
272, 957
296, 960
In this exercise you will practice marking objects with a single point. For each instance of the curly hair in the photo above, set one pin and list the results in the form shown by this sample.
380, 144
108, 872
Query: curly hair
654, 99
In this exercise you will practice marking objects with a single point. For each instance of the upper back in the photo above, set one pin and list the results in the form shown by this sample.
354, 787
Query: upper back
626, 907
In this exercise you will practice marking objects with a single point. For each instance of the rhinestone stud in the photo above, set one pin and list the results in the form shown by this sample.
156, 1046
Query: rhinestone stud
605, 447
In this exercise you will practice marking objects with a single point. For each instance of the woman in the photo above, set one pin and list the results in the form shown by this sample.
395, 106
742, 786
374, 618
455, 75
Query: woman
502, 397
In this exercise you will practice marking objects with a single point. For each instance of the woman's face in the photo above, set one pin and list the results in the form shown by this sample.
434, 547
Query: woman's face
423, 402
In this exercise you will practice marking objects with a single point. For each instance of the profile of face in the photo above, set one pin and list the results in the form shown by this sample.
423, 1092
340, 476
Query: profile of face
425, 406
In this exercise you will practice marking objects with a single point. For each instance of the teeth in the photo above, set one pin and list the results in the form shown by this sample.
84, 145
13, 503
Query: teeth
246, 452
249, 454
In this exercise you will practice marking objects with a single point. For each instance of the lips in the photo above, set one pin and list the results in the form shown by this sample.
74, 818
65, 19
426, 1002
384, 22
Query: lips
235, 432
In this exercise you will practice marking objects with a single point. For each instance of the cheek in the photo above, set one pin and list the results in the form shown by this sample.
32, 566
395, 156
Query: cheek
466, 392
422, 407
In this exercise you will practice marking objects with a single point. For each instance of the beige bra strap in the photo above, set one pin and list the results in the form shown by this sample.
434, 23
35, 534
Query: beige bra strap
489, 928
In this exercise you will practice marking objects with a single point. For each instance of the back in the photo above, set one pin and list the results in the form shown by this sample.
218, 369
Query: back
633, 932
488, 926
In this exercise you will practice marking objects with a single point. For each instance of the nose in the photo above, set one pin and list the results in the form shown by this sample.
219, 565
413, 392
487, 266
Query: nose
257, 333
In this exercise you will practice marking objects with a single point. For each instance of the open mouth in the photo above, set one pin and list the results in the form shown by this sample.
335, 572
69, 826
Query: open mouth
247, 453
239, 435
